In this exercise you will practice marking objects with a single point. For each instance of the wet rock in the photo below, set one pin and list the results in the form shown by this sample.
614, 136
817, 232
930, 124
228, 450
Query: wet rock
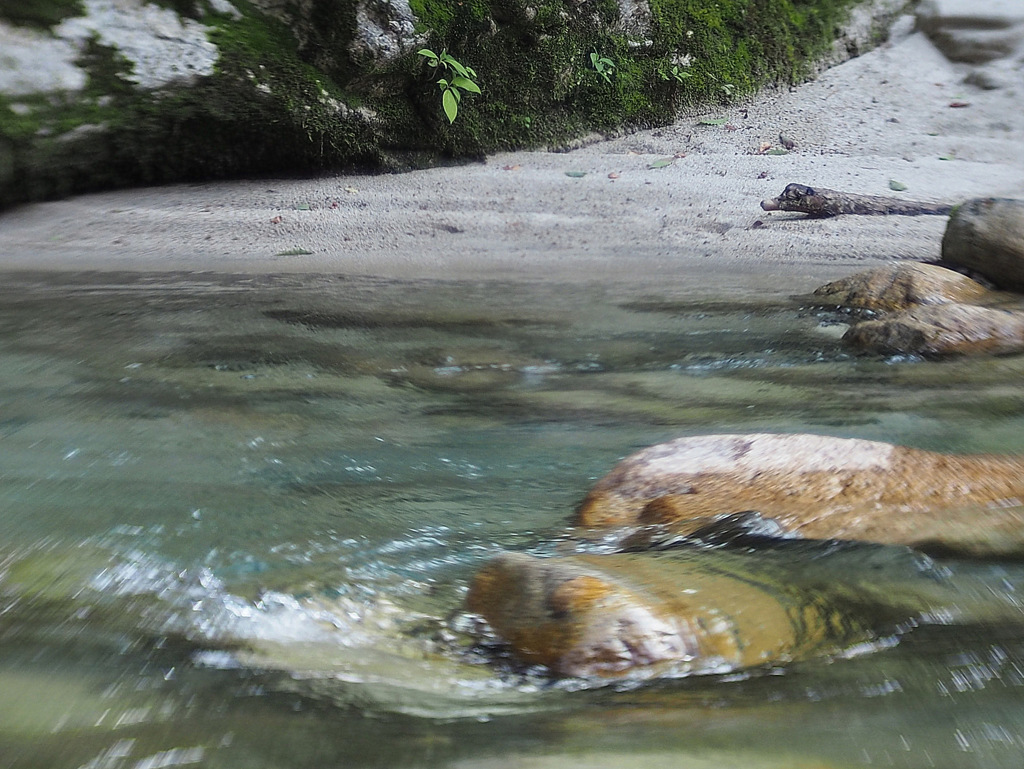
899, 286
972, 32
948, 329
607, 615
817, 487
986, 235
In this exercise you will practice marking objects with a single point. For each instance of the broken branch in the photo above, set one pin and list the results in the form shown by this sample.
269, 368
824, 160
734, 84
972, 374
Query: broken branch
820, 202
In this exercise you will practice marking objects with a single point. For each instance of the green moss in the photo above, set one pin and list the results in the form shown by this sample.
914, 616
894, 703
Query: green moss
539, 87
278, 106
39, 13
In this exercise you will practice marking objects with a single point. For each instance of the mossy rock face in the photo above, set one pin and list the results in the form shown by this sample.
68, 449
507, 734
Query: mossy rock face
95, 94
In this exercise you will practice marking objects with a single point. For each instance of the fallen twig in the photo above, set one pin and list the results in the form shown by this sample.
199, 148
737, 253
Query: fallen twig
819, 202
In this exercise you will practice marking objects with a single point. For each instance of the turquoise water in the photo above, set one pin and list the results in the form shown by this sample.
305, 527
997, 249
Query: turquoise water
239, 514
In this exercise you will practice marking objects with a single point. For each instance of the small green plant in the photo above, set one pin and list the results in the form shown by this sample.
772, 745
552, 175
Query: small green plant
727, 88
676, 73
603, 66
462, 79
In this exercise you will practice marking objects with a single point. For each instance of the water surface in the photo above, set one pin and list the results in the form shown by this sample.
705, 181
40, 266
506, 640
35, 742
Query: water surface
239, 515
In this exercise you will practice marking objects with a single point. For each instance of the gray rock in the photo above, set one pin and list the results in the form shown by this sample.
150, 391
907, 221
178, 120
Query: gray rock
36, 62
384, 29
1003, 73
635, 17
161, 46
973, 32
986, 236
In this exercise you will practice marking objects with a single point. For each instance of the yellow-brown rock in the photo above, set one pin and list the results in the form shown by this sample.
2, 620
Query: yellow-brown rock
899, 286
939, 330
817, 487
606, 615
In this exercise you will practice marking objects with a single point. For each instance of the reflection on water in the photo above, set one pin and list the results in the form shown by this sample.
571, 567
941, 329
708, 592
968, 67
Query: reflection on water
239, 515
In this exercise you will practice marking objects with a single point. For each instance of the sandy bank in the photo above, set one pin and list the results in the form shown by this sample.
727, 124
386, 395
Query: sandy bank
680, 201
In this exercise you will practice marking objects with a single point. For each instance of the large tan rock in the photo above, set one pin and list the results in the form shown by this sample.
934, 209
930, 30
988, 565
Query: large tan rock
899, 286
986, 235
606, 615
819, 487
938, 330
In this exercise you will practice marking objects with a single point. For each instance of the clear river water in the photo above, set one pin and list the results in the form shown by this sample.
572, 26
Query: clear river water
238, 516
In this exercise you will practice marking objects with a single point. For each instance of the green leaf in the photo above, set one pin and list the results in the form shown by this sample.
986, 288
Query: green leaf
897, 186
947, 157
713, 121
457, 67
777, 151
450, 104
576, 174
662, 163
465, 84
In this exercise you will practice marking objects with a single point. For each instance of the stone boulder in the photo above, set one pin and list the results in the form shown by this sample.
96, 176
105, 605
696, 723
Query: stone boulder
899, 286
819, 487
934, 311
941, 330
608, 615
972, 32
986, 236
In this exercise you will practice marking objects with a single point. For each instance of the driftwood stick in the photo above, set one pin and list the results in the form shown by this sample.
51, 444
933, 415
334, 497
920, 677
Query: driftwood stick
819, 202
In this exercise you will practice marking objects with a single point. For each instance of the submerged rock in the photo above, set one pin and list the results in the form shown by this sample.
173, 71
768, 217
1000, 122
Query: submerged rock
899, 286
818, 487
986, 235
607, 615
947, 329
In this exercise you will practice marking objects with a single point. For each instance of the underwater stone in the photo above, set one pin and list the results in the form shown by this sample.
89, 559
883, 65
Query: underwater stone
609, 615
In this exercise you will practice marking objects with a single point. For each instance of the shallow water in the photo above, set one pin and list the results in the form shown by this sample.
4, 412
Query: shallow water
239, 516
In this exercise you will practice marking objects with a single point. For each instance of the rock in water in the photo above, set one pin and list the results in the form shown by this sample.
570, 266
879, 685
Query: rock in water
608, 615
899, 286
986, 235
939, 330
819, 487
